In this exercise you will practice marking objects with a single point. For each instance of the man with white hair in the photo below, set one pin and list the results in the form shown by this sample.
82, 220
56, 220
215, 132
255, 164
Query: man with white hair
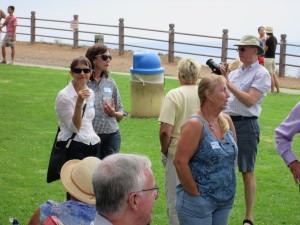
125, 190
248, 86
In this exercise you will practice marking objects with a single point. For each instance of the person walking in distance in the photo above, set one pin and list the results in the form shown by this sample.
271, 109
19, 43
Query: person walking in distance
269, 62
179, 104
262, 41
2, 16
10, 36
248, 86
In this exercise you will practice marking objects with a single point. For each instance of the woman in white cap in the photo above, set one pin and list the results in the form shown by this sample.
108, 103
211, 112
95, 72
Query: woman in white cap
76, 177
269, 63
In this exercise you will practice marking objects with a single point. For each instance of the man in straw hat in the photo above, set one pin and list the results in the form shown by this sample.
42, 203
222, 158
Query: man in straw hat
248, 86
76, 176
125, 190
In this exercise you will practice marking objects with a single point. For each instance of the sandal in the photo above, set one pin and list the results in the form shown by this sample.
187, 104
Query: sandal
3, 62
246, 221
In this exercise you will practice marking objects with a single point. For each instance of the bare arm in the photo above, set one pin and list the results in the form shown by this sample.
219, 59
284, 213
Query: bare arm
77, 116
35, 219
188, 143
165, 137
247, 98
295, 169
231, 126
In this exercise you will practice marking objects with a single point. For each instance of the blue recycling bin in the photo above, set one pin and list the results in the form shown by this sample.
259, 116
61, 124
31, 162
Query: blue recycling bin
146, 85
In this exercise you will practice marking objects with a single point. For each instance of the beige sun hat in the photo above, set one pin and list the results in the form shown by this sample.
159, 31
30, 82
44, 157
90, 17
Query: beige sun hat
269, 30
250, 40
76, 176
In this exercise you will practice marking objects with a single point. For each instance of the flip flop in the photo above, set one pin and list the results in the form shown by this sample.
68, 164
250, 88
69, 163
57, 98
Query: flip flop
246, 221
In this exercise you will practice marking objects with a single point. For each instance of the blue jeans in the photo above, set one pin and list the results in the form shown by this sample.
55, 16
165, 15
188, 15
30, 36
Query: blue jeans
110, 144
195, 210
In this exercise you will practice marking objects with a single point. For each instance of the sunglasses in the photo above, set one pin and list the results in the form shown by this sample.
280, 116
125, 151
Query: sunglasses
79, 70
104, 57
242, 49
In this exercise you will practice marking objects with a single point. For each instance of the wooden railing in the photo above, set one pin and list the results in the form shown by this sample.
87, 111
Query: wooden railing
122, 33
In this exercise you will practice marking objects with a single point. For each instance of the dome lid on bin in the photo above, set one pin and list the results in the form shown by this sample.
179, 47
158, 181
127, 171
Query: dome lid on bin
146, 63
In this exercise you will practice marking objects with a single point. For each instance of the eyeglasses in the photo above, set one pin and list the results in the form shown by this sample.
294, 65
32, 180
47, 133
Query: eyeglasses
104, 57
79, 70
154, 190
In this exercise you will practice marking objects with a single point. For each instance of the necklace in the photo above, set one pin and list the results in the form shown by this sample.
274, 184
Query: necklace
210, 126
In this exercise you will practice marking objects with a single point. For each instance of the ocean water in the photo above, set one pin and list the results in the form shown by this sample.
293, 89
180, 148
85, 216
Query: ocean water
215, 53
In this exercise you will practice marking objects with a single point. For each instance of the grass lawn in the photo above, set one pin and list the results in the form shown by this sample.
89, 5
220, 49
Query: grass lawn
28, 127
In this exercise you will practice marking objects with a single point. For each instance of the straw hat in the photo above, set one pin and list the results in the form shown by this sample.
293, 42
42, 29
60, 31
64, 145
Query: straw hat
76, 176
250, 40
269, 30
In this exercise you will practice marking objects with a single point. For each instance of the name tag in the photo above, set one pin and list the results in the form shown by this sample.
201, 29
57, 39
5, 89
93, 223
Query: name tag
107, 90
215, 145
91, 104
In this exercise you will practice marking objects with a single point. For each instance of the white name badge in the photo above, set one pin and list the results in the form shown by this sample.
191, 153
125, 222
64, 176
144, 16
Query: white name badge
107, 90
215, 145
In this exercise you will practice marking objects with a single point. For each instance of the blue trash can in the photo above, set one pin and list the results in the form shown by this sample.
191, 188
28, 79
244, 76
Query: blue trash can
146, 85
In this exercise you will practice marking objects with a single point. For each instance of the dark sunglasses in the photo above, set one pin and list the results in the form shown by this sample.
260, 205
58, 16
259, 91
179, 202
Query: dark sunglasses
104, 57
242, 49
79, 70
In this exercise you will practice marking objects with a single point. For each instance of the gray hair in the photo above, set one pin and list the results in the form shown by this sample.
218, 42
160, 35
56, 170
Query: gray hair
116, 177
189, 70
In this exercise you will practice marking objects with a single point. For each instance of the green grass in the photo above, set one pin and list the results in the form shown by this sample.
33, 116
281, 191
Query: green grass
28, 126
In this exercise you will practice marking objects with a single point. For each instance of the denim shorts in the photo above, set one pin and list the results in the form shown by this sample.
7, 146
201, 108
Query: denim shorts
247, 132
195, 210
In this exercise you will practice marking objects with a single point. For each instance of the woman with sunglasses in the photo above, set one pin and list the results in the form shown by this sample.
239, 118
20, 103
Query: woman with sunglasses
75, 110
108, 106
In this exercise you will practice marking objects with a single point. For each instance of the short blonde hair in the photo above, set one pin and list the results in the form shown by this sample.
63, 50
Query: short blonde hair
189, 70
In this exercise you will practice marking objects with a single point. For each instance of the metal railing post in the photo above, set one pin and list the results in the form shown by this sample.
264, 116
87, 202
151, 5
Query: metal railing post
32, 27
121, 36
171, 43
75, 32
282, 55
224, 46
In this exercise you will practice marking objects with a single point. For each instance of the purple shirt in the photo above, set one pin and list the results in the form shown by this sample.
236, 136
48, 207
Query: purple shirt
285, 132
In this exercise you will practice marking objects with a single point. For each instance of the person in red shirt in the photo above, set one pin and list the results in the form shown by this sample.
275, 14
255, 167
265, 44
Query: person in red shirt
10, 37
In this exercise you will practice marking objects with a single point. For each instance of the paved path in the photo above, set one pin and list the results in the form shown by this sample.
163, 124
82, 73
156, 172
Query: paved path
282, 90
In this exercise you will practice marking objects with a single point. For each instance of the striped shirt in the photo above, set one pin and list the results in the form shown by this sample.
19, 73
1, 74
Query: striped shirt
256, 76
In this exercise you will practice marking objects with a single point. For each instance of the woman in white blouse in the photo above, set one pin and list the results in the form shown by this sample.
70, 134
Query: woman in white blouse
75, 110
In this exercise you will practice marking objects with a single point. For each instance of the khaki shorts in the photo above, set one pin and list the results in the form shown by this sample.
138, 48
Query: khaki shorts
9, 41
269, 64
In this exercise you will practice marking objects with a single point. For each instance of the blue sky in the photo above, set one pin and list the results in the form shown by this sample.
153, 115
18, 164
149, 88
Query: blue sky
207, 17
